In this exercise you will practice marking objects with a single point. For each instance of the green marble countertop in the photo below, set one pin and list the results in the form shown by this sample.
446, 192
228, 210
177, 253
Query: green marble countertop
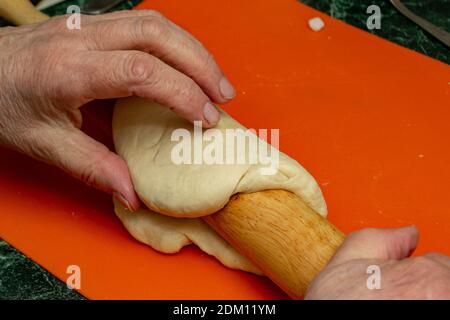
21, 278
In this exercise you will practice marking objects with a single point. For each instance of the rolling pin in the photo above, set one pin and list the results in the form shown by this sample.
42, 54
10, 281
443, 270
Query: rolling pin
287, 240
20, 12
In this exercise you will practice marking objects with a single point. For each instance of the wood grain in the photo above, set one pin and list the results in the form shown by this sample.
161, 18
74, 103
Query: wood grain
282, 235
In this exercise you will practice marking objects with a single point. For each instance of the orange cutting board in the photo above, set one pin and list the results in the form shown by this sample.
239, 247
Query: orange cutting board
368, 118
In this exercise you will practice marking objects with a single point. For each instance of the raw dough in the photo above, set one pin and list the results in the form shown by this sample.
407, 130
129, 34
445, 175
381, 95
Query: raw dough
169, 235
316, 24
142, 136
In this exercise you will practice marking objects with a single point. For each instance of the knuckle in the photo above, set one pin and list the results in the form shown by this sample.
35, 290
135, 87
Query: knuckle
423, 263
189, 93
428, 270
140, 67
90, 172
154, 13
207, 63
154, 26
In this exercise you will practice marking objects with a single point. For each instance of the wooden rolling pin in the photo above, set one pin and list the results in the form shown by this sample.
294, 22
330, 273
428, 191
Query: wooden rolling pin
280, 234
275, 229
20, 12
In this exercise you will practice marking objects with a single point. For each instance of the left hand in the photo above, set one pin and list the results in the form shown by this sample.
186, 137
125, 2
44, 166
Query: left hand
47, 72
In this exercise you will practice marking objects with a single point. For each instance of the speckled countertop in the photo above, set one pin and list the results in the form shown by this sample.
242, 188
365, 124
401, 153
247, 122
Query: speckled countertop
21, 278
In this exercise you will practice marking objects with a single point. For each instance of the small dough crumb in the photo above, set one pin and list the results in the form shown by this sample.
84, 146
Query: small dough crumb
316, 24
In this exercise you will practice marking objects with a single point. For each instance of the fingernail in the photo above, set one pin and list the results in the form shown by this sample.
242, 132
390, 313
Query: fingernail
226, 89
123, 201
211, 114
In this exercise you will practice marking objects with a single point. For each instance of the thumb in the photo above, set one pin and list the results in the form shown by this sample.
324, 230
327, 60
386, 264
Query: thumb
93, 163
385, 244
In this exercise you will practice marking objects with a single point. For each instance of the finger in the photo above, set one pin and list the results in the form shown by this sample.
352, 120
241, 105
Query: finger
126, 73
383, 244
168, 42
90, 161
87, 19
59, 23
116, 15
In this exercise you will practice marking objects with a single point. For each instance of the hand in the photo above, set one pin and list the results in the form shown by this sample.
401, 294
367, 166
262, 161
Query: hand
345, 276
47, 72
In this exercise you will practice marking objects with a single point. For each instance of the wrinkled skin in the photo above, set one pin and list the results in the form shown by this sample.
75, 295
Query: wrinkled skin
402, 276
47, 72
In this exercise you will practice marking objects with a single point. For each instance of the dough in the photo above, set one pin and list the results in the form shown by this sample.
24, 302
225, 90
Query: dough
142, 136
142, 133
169, 235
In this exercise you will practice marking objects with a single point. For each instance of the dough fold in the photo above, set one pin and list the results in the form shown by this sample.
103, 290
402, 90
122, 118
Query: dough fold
142, 133
177, 195
169, 235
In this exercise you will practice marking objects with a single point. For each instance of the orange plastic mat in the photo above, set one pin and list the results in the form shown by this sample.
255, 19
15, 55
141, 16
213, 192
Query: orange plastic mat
368, 118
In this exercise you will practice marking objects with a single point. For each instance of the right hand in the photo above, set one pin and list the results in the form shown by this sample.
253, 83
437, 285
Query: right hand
47, 72
402, 277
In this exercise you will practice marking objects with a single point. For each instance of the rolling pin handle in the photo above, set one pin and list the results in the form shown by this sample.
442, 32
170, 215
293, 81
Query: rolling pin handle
287, 240
21, 12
